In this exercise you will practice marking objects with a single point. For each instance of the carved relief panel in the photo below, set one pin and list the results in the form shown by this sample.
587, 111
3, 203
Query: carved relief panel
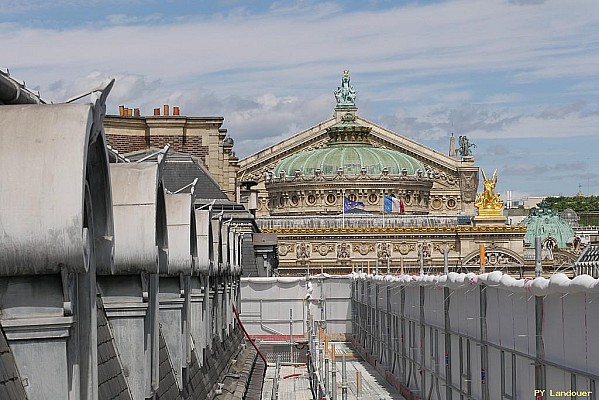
343, 251
324, 248
363, 248
493, 258
383, 250
285, 248
404, 248
468, 184
425, 248
303, 250
440, 247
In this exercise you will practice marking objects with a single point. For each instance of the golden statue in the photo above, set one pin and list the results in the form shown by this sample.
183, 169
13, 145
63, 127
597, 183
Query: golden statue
488, 202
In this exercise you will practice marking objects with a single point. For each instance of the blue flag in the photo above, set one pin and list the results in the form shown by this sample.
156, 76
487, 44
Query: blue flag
350, 205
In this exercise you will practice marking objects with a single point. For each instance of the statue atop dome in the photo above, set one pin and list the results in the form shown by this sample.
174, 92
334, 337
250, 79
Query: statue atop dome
345, 94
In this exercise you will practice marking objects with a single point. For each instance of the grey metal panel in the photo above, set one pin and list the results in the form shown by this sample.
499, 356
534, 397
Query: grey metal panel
204, 239
41, 201
138, 209
179, 218
216, 245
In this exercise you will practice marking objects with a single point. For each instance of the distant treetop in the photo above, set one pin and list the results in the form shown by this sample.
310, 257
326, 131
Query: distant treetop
576, 203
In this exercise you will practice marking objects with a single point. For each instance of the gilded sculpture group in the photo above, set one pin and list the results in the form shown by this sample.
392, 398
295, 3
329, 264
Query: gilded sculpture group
488, 202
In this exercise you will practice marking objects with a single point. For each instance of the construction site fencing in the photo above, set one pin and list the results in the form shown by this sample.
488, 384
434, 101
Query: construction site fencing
488, 336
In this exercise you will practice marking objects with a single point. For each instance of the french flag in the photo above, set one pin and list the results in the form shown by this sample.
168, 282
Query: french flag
393, 205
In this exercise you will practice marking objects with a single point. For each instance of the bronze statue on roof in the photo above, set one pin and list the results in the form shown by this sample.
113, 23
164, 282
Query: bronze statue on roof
345, 94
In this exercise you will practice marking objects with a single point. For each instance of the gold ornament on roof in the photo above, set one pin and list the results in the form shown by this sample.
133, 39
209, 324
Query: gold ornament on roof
488, 202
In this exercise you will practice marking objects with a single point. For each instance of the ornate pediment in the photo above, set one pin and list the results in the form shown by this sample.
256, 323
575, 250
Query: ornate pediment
256, 165
454, 181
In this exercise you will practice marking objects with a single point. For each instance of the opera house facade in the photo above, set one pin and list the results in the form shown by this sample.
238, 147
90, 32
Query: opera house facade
323, 193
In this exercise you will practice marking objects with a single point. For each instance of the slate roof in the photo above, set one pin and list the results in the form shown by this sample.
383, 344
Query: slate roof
112, 383
250, 267
179, 174
180, 170
589, 256
167, 386
10, 382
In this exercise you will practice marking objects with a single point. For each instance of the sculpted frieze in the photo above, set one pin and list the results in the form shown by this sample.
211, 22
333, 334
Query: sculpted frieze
404, 248
493, 258
563, 258
383, 250
303, 250
324, 248
343, 250
442, 177
285, 248
363, 248
425, 248
469, 184
440, 247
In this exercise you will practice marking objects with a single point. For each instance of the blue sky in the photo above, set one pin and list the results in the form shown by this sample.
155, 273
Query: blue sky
520, 78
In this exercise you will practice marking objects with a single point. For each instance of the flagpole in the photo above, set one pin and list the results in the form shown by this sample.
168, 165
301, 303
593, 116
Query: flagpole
343, 210
384, 197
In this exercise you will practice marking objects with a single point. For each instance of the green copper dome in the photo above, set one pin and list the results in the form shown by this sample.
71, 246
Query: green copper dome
352, 158
545, 223
349, 149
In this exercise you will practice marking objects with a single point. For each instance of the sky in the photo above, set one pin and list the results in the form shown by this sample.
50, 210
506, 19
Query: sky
519, 78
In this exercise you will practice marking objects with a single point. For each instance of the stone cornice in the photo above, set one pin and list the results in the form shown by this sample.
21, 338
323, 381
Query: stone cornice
115, 121
37, 328
342, 179
402, 230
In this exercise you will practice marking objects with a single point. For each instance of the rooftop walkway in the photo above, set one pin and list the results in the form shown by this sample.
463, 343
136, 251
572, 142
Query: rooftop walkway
373, 386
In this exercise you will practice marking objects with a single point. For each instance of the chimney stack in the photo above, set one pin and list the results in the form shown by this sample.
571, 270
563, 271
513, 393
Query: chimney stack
121, 110
156, 111
166, 113
136, 112
175, 110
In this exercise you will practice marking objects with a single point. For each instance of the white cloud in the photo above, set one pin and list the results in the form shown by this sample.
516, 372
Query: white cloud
533, 126
429, 40
419, 69
127, 87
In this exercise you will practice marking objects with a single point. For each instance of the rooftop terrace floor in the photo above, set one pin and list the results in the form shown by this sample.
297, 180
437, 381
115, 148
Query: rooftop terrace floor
374, 386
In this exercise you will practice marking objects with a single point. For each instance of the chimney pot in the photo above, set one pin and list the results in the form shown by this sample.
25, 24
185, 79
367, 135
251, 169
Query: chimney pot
157, 111
136, 112
121, 110
166, 110
176, 110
